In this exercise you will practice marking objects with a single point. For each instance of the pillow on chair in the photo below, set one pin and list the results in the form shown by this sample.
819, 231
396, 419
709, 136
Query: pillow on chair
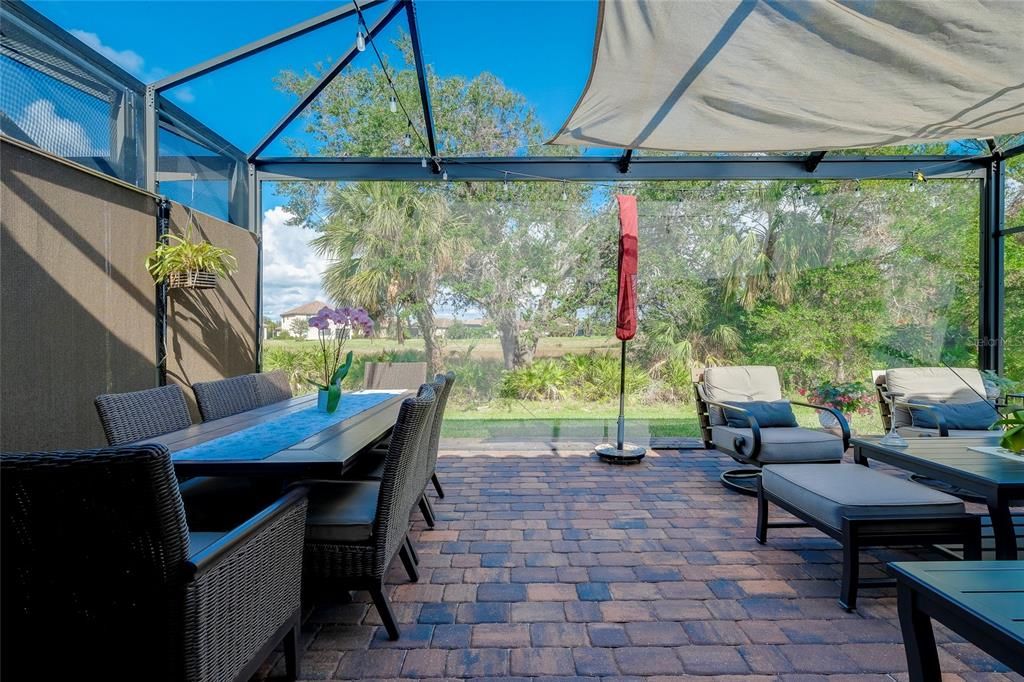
767, 414
979, 415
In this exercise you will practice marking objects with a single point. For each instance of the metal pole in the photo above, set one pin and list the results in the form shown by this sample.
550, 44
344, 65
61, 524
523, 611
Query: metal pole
163, 227
622, 397
991, 268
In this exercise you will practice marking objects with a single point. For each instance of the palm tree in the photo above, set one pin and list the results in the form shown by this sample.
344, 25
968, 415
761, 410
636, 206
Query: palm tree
389, 244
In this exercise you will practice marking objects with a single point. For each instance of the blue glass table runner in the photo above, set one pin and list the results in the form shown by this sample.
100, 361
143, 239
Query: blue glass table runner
269, 437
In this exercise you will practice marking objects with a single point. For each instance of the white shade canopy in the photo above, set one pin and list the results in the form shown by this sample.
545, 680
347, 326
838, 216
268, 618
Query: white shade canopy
788, 75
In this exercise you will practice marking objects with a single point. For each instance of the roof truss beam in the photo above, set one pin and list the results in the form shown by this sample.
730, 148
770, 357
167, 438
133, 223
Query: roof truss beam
324, 81
421, 76
607, 169
262, 44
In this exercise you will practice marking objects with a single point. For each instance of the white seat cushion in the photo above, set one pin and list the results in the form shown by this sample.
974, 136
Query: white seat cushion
829, 492
783, 444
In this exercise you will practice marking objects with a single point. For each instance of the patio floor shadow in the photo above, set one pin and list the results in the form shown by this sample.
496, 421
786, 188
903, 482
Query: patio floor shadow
550, 564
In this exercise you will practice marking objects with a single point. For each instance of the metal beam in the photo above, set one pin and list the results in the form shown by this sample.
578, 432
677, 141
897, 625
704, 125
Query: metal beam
421, 76
260, 45
1011, 230
323, 82
1013, 151
606, 169
625, 160
812, 161
991, 269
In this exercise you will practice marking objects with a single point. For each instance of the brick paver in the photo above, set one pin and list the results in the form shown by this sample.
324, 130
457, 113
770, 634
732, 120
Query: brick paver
550, 564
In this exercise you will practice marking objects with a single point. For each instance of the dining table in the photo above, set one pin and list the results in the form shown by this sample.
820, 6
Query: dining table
970, 464
292, 438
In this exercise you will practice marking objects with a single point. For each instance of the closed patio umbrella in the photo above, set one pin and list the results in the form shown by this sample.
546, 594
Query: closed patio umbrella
625, 325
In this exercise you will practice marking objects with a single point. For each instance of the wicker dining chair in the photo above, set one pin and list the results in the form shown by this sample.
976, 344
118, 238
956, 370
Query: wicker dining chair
135, 416
103, 578
211, 501
225, 397
442, 385
356, 528
272, 387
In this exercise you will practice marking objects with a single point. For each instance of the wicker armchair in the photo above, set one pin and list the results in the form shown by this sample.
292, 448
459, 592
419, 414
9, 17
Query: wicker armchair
272, 387
355, 528
223, 398
131, 417
103, 578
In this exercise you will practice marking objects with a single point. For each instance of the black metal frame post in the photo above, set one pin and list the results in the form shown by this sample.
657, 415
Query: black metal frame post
991, 267
163, 227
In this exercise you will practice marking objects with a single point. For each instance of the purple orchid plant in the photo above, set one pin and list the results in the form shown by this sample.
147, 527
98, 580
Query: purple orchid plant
333, 326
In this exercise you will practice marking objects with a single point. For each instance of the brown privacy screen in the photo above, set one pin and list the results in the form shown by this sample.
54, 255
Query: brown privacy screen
77, 307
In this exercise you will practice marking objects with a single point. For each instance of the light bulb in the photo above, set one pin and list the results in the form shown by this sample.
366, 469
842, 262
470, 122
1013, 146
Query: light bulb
856, 189
360, 41
504, 183
444, 175
423, 162
406, 140
913, 186
565, 195
393, 104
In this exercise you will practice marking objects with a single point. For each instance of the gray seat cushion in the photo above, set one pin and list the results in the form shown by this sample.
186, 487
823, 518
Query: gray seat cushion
918, 432
341, 511
740, 384
829, 492
784, 444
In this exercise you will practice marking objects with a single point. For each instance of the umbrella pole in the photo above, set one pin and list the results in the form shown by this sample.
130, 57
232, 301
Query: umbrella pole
621, 452
622, 397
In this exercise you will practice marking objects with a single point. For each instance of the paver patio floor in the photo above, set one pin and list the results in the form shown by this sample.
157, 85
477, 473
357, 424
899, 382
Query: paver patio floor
550, 564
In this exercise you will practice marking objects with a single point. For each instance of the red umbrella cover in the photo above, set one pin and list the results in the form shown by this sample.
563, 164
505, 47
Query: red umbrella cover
625, 317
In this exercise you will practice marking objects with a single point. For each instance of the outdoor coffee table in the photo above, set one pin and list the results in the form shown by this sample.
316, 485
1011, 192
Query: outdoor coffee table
999, 480
287, 439
983, 601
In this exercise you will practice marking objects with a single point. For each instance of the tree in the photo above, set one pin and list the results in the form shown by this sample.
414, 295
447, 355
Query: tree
389, 245
299, 327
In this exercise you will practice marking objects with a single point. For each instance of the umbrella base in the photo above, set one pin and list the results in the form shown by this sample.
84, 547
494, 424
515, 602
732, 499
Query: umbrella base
628, 454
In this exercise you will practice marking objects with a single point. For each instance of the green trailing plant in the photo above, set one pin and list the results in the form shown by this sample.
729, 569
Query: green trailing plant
1013, 437
180, 254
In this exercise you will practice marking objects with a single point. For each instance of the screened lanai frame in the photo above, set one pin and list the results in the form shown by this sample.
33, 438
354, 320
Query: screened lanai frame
251, 169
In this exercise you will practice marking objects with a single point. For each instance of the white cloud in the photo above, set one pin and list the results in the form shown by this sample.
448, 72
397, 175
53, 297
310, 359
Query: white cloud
54, 133
183, 94
129, 60
132, 62
291, 269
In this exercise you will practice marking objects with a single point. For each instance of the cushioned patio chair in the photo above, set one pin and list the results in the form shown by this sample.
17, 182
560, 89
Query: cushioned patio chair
223, 398
742, 413
934, 401
442, 385
212, 501
272, 387
384, 375
356, 528
103, 578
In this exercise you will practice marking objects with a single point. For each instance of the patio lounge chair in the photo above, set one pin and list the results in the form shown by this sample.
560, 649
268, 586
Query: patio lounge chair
355, 528
934, 401
211, 501
223, 398
272, 387
742, 393
407, 375
103, 578
442, 386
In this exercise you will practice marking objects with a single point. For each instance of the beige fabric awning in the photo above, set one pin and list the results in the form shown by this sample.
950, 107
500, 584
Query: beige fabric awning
789, 75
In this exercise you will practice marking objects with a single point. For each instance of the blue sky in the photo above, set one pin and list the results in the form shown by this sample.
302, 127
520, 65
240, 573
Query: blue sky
541, 48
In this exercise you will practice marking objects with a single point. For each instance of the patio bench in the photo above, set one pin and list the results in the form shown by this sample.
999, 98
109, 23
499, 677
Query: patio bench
862, 507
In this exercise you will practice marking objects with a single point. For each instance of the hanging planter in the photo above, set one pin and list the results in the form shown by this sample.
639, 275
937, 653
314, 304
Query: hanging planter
186, 264
192, 279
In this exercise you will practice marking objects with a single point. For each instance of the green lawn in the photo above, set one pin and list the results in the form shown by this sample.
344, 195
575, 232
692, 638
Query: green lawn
567, 419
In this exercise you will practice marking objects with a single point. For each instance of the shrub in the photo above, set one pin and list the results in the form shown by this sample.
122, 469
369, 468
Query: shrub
542, 380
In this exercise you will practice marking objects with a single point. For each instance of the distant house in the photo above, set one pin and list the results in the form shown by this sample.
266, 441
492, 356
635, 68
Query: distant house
303, 313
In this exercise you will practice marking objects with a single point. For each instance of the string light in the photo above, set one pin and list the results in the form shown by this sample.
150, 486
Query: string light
406, 139
856, 189
360, 41
444, 175
393, 104
565, 195
504, 183
423, 162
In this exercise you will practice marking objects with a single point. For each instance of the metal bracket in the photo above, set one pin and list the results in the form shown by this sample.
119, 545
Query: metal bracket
812, 161
625, 160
